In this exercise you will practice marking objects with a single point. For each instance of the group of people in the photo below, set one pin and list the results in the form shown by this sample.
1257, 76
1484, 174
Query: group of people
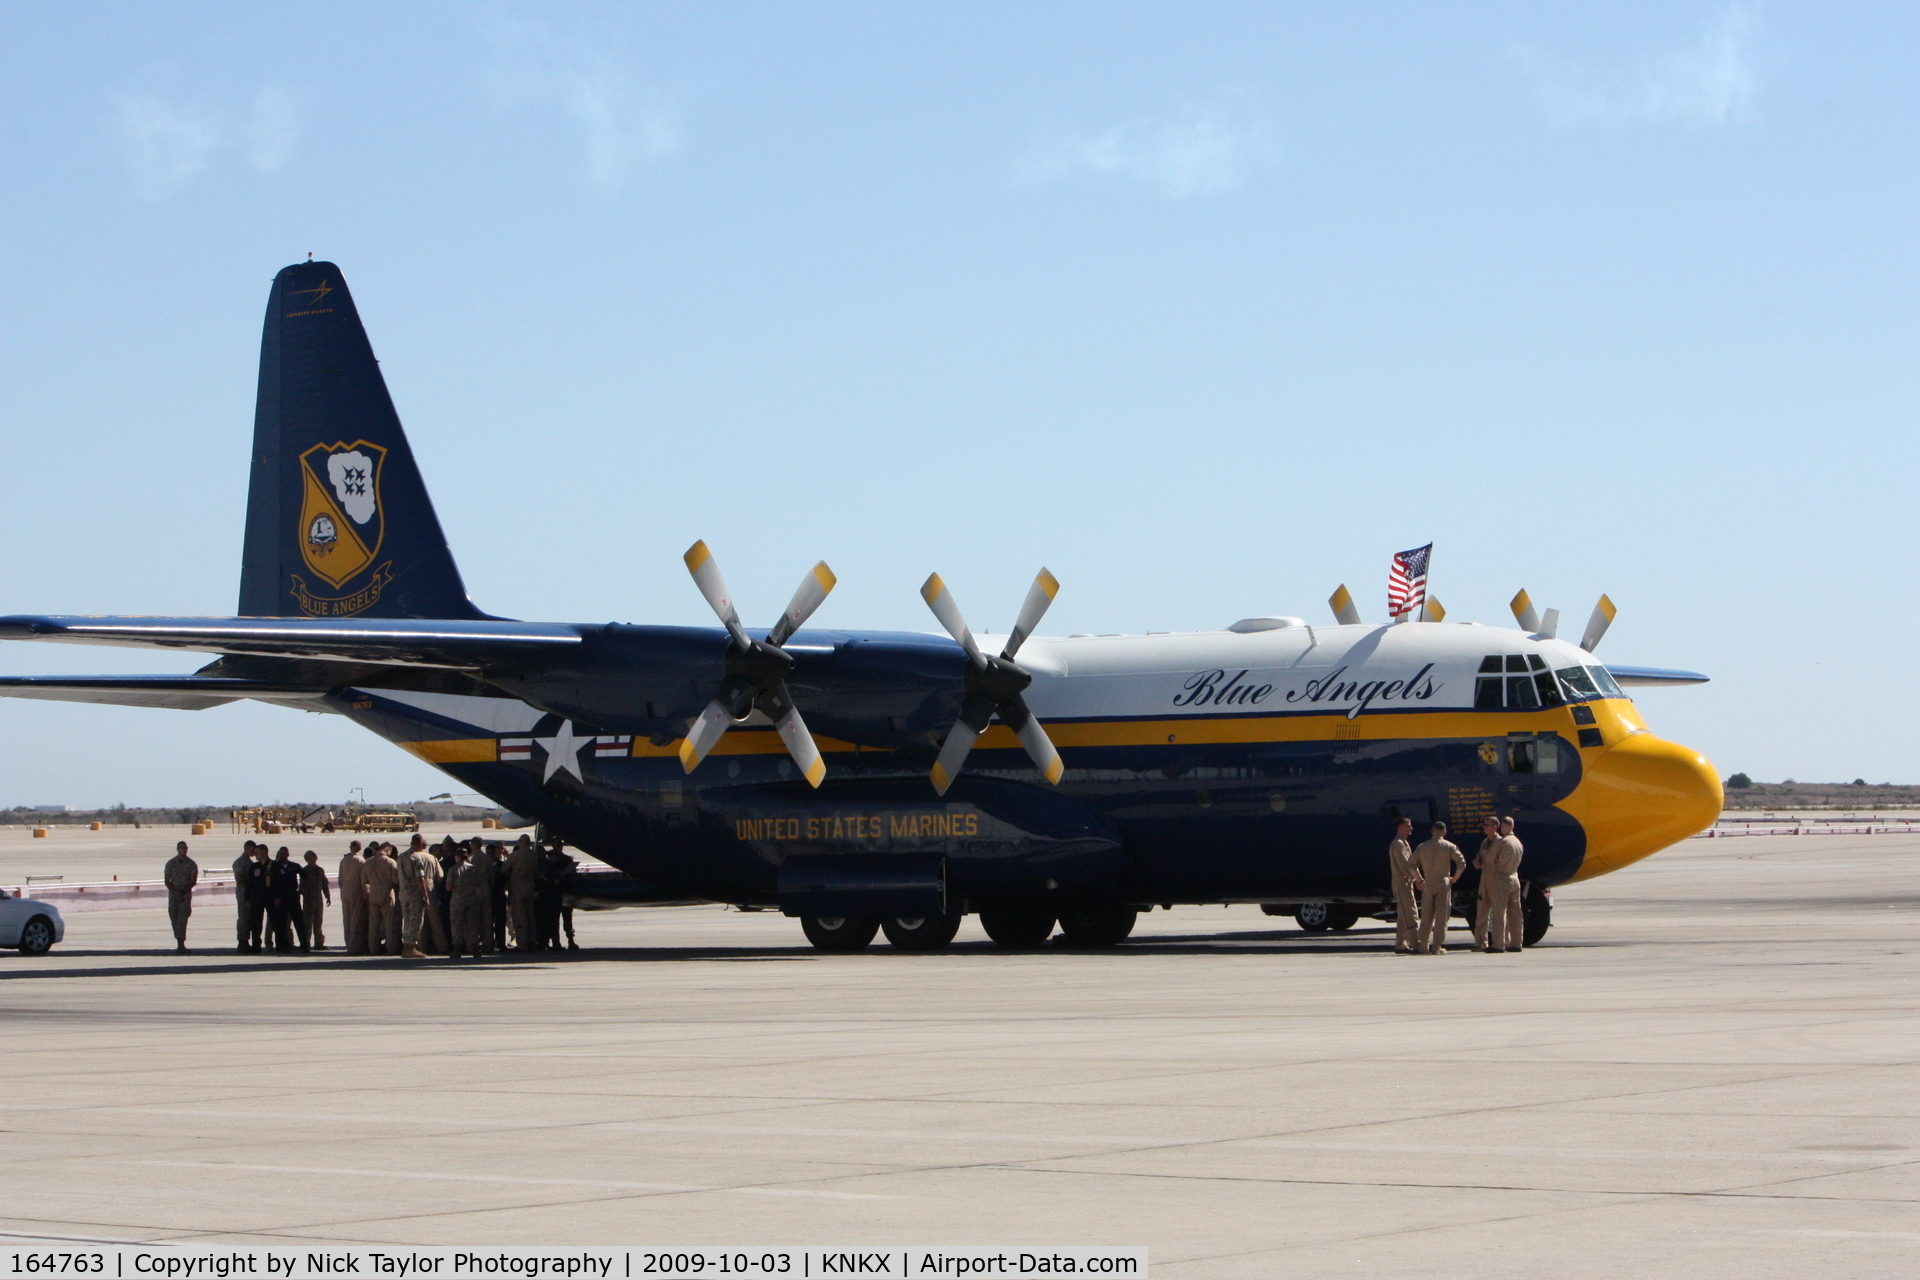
1423, 880
455, 898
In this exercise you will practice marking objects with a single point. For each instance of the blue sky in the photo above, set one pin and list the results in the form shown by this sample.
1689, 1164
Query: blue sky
1208, 308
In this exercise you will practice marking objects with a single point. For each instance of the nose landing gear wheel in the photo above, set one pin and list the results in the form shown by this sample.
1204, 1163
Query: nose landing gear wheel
1536, 914
838, 933
1017, 927
930, 933
1097, 926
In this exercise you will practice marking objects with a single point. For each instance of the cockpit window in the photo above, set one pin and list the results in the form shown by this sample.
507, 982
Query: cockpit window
1579, 684
1604, 678
1516, 681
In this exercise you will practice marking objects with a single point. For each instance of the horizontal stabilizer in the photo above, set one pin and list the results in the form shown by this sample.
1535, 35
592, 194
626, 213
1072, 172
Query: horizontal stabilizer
412, 642
1650, 676
177, 693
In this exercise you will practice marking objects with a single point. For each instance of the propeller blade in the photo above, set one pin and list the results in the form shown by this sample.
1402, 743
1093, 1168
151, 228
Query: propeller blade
1033, 736
703, 733
1597, 624
706, 576
940, 600
813, 589
1344, 612
1045, 587
1522, 606
801, 746
1436, 612
953, 753
1549, 625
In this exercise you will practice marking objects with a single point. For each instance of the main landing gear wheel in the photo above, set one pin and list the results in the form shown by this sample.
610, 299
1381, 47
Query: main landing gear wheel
1019, 927
1097, 926
929, 933
839, 933
1536, 914
37, 938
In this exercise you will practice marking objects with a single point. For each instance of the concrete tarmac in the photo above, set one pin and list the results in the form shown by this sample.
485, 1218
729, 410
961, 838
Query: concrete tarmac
1709, 1069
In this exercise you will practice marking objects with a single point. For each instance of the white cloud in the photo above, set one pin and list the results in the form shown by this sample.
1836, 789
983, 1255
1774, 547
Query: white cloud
1709, 82
271, 132
1203, 152
166, 144
620, 126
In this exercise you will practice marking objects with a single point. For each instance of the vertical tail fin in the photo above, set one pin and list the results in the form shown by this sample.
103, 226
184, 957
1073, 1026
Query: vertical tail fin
338, 520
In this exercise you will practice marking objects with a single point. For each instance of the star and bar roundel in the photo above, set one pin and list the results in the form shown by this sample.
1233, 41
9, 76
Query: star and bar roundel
561, 744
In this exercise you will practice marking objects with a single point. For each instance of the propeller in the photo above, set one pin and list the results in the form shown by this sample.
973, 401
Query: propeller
993, 685
1435, 611
1597, 623
1344, 611
756, 670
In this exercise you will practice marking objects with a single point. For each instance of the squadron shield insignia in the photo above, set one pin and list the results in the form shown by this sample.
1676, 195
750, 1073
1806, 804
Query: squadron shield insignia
342, 524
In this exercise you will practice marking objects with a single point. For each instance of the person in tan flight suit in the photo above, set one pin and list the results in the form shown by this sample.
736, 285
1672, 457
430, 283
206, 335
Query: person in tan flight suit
416, 898
423, 862
181, 874
1500, 881
353, 900
1406, 915
523, 870
241, 865
1438, 862
315, 896
383, 877
466, 902
1483, 861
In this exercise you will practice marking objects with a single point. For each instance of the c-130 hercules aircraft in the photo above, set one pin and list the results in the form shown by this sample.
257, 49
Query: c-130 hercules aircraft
877, 780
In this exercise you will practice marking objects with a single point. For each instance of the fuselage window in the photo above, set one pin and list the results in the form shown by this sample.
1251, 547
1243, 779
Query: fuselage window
1520, 755
1546, 755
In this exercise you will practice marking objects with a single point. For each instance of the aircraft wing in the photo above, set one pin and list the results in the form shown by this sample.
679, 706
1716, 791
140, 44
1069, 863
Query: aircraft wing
177, 692
415, 642
1648, 676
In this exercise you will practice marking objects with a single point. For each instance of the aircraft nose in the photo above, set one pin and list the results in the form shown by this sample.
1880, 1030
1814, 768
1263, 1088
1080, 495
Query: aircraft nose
1643, 794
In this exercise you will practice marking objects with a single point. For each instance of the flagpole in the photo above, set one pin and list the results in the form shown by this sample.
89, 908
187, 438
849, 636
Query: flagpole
1427, 590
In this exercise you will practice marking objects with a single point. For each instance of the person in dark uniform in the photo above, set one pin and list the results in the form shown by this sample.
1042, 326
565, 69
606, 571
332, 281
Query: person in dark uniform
315, 897
497, 895
259, 888
283, 903
567, 864
241, 865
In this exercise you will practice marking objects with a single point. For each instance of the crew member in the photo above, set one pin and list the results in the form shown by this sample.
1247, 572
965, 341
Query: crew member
241, 865
181, 874
1506, 919
1438, 862
259, 889
546, 901
1406, 912
353, 900
416, 897
523, 869
432, 933
315, 897
1483, 862
283, 904
383, 877
466, 900
497, 895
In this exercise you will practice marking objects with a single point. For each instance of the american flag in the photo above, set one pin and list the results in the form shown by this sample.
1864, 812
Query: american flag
1407, 580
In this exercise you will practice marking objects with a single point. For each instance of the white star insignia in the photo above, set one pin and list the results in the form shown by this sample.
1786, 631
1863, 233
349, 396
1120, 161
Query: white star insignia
563, 752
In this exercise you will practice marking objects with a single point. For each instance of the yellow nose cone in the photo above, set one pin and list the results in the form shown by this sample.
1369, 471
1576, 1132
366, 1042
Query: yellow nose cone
1639, 796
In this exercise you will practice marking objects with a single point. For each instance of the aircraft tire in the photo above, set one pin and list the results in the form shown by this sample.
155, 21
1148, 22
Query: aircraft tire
37, 938
1097, 926
932, 933
1536, 914
1314, 917
1341, 919
839, 933
1017, 927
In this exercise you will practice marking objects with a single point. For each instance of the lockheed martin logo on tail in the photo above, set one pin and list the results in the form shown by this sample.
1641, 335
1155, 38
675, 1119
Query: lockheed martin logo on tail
342, 525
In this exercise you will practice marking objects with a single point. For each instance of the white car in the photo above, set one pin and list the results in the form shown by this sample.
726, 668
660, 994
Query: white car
29, 924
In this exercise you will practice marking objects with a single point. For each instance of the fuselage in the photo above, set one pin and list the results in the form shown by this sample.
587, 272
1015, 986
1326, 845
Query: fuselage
1261, 764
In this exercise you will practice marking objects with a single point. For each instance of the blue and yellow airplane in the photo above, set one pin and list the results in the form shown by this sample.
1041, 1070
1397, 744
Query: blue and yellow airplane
871, 780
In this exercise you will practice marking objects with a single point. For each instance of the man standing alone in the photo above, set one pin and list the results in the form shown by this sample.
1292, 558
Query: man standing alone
181, 875
1438, 863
